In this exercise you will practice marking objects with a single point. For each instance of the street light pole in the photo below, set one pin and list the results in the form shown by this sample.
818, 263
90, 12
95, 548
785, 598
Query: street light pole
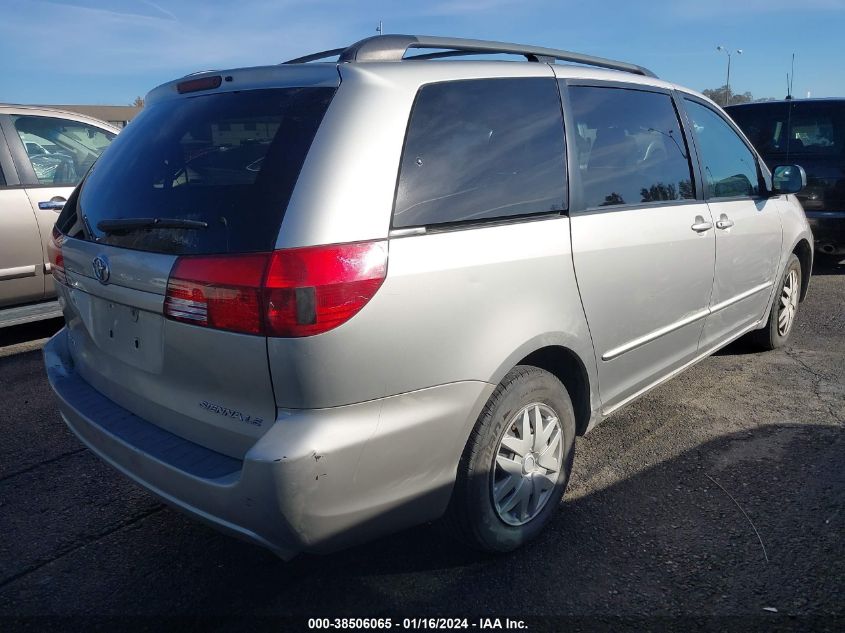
728, 80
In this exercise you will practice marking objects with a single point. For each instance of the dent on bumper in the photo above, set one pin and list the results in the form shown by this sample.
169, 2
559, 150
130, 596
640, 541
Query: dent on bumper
318, 480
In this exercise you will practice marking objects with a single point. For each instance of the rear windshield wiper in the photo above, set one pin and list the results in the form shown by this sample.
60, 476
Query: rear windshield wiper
138, 224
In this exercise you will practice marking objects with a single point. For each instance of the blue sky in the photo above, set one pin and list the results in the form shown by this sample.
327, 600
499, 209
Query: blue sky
109, 51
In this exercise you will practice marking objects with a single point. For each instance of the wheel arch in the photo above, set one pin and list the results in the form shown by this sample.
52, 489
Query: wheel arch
566, 366
804, 252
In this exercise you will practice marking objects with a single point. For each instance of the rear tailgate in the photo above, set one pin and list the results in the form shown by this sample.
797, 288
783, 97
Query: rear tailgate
208, 386
224, 164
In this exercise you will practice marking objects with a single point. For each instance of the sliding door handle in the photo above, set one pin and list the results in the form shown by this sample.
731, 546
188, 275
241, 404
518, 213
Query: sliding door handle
724, 222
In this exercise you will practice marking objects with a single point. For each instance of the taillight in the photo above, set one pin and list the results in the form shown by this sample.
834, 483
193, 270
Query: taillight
291, 293
313, 290
218, 291
54, 254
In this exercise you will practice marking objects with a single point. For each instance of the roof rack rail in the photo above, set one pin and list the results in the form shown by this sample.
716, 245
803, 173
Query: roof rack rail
382, 48
316, 56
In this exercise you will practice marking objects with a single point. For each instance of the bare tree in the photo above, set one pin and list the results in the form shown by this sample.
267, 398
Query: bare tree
138, 103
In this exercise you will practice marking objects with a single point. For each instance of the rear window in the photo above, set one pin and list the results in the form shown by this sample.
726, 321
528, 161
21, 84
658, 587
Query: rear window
816, 128
224, 164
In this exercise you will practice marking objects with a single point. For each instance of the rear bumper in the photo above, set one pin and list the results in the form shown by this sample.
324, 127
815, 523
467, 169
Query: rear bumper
318, 480
828, 231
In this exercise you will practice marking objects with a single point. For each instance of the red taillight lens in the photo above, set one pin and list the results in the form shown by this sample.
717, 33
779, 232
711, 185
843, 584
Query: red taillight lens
54, 254
218, 291
294, 292
313, 290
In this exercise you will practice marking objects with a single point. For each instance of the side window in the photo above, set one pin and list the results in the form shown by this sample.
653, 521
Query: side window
482, 149
59, 150
730, 168
630, 148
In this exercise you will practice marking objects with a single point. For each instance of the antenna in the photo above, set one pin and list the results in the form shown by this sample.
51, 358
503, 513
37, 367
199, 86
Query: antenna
380, 28
789, 132
788, 91
792, 76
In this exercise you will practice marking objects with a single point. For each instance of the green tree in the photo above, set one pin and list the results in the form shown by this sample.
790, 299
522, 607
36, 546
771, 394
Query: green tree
720, 96
659, 191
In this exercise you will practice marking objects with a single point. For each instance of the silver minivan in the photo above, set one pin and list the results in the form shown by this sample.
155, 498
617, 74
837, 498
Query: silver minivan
321, 301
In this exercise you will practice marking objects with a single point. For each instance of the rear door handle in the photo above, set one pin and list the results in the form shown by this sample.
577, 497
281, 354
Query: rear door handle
701, 225
724, 222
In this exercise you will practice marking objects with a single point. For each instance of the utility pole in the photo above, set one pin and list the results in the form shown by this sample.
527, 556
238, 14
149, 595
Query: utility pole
728, 80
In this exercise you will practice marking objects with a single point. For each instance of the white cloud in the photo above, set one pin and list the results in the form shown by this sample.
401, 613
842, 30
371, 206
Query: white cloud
159, 8
120, 39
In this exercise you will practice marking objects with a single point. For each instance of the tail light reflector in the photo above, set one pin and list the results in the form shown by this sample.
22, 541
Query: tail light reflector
54, 254
289, 293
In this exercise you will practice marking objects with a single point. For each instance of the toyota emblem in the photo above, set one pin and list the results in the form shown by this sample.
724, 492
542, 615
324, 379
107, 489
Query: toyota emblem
101, 269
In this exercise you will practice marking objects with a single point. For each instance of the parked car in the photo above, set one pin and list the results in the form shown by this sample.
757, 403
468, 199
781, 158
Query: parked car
810, 132
43, 155
313, 303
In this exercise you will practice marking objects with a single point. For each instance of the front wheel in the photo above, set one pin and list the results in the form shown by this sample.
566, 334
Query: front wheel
781, 321
516, 463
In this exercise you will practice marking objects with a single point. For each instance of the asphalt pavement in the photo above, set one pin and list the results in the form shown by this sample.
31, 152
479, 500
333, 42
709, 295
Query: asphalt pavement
719, 496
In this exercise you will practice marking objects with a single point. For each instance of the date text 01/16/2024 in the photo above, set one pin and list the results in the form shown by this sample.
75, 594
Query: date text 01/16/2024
481, 624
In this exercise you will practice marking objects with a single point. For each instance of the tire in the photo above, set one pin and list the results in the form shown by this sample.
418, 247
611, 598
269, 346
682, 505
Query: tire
473, 515
773, 335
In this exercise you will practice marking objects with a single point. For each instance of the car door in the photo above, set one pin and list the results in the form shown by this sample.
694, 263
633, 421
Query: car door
21, 260
748, 226
52, 153
643, 240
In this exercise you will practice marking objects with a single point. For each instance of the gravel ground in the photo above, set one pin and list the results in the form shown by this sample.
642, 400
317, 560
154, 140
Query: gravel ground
718, 496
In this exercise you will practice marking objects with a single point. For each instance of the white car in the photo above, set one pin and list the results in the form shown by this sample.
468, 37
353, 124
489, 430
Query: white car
44, 153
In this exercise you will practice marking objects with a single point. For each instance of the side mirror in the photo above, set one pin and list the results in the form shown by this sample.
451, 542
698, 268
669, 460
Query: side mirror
788, 179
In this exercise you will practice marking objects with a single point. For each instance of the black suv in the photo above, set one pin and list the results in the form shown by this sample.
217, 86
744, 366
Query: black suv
810, 133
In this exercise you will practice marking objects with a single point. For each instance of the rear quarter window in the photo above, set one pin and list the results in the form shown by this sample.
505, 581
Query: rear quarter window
480, 150
228, 161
